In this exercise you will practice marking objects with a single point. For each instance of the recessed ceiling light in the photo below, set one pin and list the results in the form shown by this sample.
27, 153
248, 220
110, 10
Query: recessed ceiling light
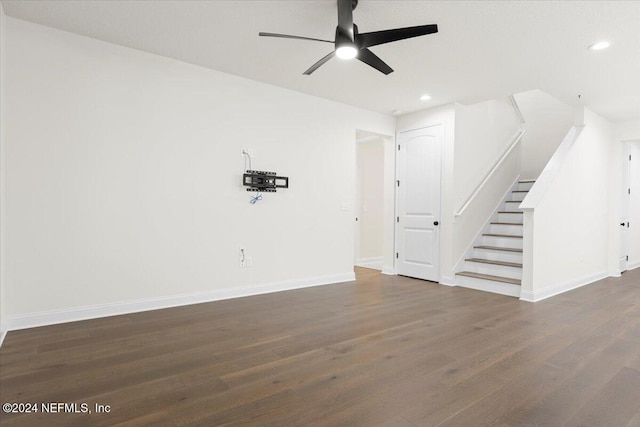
425, 97
599, 46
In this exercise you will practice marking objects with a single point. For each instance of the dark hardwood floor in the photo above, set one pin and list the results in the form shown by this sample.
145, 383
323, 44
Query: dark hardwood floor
384, 351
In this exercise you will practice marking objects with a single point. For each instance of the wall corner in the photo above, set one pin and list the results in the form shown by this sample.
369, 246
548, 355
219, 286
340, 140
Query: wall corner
527, 289
578, 117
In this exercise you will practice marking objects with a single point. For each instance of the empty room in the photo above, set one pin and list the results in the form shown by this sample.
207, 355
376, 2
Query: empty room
319, 213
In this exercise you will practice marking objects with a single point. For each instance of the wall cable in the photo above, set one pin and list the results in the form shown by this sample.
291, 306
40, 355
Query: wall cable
255, 199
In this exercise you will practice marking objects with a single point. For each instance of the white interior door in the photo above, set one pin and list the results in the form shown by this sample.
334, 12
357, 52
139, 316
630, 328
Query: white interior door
418, 228
625, 203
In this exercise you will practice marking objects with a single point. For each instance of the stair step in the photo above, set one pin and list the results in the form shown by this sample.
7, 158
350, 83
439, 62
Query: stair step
489, 261
490, 277
497, 248
526, 184
510, 236
505, 228
510, 212
520, 191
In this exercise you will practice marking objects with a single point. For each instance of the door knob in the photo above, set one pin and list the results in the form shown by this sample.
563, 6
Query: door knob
622, 224
435, 223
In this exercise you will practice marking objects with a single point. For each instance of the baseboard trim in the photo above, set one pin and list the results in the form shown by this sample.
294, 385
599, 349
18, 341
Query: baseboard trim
389, 271
633, 265
32, 320
493, 287
542, 294
373, 262
448, 281
3, 334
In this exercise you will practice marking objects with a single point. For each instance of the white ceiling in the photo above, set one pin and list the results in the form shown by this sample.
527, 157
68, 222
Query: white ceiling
484, 50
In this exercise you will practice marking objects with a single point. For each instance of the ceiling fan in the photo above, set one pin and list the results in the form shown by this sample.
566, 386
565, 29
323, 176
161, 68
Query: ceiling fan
350, 44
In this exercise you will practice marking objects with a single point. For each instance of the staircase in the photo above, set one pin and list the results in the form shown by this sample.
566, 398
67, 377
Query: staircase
495, 263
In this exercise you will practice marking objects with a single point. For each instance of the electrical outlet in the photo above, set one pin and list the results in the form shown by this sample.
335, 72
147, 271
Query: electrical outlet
249, 261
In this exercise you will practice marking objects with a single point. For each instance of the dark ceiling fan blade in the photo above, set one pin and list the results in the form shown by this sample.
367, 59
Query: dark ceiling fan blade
345, 18
319, 63
370, 58
287, 36
386, 36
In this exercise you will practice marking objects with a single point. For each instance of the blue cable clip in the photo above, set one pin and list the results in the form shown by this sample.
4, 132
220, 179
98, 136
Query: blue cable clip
256, 199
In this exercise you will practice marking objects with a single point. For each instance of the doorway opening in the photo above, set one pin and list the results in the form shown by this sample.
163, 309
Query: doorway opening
374, 202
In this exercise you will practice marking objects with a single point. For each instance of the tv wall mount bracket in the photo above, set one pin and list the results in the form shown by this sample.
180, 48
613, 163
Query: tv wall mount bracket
263, 181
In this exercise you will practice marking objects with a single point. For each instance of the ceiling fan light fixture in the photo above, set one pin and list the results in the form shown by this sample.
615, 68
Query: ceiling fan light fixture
346, 51
351, 44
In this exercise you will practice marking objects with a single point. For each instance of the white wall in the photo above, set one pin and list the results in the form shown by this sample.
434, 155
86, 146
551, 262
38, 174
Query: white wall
571, 225
123, 180
628, 131
483, 132
3, 306
370, 212
547, 121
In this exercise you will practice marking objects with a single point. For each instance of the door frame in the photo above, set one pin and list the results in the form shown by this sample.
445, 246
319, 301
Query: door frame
397, 199
625, 206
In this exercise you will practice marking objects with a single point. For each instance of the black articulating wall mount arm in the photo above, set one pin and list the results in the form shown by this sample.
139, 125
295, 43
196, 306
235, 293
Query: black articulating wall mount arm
267, 182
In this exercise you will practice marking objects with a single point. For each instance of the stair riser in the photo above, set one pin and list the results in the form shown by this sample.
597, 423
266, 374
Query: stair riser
518, 197
506, 229
502, 242
494, 270
525, 185
509, 217
511, 205
498, 255
489, 286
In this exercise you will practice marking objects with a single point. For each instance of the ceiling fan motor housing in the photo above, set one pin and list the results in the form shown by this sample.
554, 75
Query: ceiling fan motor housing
343, 38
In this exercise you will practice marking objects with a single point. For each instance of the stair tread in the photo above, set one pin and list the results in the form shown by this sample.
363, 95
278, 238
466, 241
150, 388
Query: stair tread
490, 277
511, 236
509, 212
520, 191
491, 261
527, 180
507, 223
498, 248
